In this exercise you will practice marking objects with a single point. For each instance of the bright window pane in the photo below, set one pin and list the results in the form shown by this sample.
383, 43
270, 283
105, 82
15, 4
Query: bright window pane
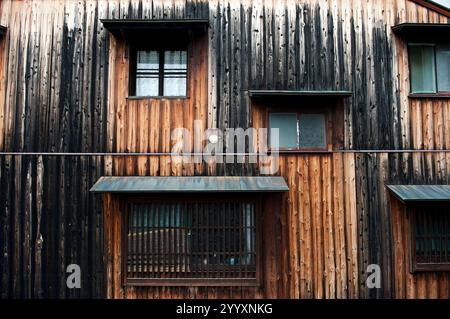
287, 128
175, 73
312, 130
147, 70
443, 67
422, 69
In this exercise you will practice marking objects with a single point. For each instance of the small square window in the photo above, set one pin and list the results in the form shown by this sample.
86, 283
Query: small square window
299, 130
429, 68
159, 73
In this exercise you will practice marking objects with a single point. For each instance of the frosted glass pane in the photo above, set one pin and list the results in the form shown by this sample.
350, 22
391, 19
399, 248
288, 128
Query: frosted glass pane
147, 86
175, 73
174, 86
422, 69
147, 70
312, 130
287, 126
443, 68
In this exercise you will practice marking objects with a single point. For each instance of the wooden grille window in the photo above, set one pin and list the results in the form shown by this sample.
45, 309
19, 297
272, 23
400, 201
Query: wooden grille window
191, 242
430, 237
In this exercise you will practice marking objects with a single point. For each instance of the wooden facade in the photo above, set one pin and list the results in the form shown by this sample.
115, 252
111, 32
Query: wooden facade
66, 120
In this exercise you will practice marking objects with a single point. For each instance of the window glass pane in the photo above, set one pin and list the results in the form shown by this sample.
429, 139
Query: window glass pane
287, 129
312, 130
175, 73
422, 69
147, 70
443, 67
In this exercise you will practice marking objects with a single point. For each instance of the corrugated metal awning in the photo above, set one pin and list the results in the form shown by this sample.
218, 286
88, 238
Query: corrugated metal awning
421, 193
189, 184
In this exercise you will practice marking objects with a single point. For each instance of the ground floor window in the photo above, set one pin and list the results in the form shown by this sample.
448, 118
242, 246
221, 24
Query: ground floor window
430, 236
211, 241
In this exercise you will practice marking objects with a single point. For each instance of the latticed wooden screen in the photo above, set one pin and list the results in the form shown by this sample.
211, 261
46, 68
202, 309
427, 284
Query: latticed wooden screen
191, 240
431, 242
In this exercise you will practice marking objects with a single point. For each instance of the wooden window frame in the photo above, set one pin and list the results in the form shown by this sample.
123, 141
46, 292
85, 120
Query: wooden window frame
414, 265
197, 282
161, 46
436, 93
288, 110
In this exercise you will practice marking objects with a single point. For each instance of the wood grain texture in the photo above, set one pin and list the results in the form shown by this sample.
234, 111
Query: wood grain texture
63, 88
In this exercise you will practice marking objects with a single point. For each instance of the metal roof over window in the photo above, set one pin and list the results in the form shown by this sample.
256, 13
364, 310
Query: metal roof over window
420, 193
189, 184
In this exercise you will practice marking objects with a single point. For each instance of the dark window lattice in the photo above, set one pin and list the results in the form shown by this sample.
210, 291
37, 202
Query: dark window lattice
431, 235
191, 239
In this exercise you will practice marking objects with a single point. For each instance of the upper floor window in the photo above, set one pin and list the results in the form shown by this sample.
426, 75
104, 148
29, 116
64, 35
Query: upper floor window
299, 130
430, 68
159, 72
307, 121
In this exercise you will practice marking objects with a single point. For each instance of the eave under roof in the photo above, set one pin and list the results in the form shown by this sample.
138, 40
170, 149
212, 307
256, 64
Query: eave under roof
274, 93
122, 26
426, 32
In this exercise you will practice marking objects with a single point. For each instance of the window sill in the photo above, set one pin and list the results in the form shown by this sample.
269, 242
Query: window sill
428, 95
150, 97
302, 151
419, 267
191, 282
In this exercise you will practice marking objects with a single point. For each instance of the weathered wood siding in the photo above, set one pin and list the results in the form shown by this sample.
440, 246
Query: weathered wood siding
63, 86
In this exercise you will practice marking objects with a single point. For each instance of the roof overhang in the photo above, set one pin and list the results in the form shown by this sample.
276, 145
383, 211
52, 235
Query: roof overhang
190, 184
423, 32
293, 93
420, 193
121, 26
